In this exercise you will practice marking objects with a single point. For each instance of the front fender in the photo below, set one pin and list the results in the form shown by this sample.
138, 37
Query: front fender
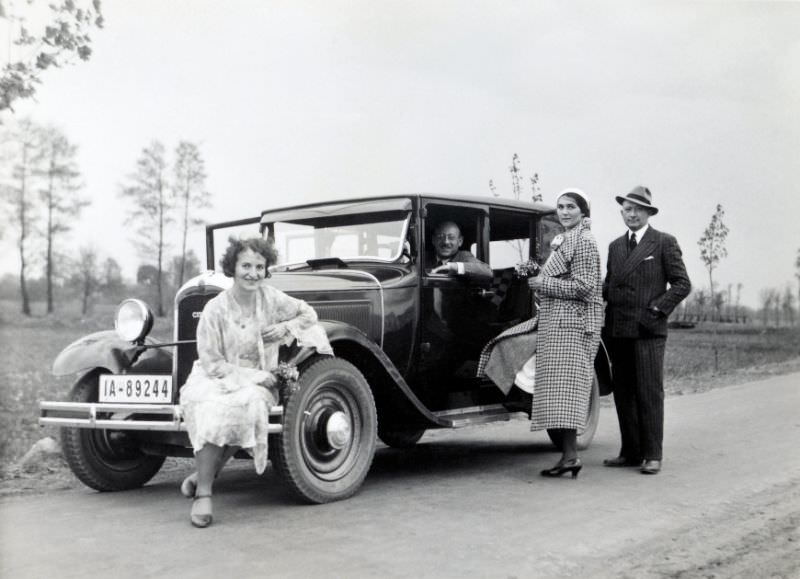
106, 350
341, 332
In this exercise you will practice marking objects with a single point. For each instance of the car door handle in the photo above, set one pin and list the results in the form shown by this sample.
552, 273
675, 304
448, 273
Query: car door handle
485, 293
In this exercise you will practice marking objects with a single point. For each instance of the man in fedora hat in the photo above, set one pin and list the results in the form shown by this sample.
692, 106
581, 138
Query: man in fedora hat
645, 280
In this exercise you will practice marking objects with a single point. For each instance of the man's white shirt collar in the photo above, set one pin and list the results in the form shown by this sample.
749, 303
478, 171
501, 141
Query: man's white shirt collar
639, 234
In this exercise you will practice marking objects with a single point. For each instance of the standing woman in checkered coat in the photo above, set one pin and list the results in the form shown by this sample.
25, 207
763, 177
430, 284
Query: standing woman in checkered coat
570, 318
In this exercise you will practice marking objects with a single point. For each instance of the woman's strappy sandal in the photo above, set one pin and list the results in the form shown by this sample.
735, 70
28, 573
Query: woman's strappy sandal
201, 518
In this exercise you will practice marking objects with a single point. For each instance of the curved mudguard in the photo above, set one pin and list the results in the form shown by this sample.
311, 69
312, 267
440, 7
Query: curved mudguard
106, 350
340, 331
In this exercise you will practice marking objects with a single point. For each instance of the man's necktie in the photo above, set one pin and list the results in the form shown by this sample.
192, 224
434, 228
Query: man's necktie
632, 243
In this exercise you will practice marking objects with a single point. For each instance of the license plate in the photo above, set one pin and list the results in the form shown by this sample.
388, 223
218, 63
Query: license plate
135, 388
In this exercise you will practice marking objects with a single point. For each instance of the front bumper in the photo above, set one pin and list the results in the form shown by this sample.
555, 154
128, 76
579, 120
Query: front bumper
153, 417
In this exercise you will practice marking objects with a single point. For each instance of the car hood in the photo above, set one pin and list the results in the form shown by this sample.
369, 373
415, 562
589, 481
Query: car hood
326, 280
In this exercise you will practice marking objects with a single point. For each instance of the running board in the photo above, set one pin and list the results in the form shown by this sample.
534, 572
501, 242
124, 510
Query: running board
474, 415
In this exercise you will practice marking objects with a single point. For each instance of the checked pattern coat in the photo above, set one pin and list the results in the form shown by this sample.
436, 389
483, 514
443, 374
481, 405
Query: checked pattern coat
570, 319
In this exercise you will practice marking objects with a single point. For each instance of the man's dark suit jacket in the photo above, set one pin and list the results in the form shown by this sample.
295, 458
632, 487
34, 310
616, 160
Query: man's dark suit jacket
637, 283
474, 268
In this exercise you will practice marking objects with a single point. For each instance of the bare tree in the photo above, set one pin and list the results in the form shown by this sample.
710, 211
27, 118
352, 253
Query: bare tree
718, 302
59, 174
729, 303
765, 297
111, 282
44, 34
797, 275
536, 191
23, 143
776, 305
712, 245
189, 265
151, 210
516, 177
739, 287
700, 300
87, 276
787, 304
190, 193
516, 192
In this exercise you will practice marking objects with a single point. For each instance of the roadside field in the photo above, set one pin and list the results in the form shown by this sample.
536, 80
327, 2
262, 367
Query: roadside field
28, 347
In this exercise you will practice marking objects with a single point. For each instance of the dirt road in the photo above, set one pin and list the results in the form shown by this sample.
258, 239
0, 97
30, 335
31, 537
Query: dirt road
465, 503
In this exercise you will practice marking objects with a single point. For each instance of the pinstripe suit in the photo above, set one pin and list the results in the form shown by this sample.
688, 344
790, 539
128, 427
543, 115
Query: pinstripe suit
642, 288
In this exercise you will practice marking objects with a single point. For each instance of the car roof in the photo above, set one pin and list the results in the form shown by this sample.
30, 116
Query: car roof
500, 202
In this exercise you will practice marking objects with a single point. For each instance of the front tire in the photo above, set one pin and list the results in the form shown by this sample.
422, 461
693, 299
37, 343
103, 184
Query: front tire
105, 460
329, 432
586, 434
400, 438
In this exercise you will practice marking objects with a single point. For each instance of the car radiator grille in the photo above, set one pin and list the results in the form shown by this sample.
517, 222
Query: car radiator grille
355, 314
189, 310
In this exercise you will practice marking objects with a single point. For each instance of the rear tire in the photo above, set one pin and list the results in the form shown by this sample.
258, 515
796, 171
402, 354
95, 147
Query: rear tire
400, 438
329, 432
105, 460
586, 434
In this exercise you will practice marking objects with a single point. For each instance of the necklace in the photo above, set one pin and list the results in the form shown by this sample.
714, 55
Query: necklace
247, 310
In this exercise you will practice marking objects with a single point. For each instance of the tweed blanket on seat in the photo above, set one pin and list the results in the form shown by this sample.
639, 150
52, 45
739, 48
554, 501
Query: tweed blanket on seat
504, 355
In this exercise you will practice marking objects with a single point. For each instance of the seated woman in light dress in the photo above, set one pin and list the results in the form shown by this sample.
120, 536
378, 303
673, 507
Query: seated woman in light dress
227, 396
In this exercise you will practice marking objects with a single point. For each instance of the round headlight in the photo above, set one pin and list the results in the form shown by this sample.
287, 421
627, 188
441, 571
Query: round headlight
133, 320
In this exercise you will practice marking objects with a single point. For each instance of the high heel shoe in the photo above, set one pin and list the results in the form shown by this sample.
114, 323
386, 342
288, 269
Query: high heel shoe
572, 466
189, 485
200, 517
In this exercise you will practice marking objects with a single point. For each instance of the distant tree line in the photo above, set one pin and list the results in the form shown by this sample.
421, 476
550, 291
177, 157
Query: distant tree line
40, 186
778, 306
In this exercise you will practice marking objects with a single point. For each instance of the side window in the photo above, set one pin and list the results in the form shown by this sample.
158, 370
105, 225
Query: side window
549, 227
510, 241
508, 252
468, 220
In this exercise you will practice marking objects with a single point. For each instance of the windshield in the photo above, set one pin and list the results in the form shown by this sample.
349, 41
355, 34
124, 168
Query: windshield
377, 236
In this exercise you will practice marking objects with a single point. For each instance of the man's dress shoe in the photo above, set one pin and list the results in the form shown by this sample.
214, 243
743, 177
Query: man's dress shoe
651, 467
621, 461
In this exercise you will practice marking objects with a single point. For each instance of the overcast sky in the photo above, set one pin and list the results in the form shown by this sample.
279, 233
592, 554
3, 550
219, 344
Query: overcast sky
301, 101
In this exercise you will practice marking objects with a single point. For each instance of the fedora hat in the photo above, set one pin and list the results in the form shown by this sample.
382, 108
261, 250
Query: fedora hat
641, 196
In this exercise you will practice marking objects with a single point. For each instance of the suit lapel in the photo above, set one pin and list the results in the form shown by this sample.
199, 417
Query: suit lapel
619, 253
643, 249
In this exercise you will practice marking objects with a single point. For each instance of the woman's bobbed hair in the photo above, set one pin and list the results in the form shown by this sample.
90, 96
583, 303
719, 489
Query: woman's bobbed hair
236, 246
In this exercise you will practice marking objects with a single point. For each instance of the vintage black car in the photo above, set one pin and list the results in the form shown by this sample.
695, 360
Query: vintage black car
406, 343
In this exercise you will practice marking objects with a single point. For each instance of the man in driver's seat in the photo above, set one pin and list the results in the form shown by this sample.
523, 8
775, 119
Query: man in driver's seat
450, 259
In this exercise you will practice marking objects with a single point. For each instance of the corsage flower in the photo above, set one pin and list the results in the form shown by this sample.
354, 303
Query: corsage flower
526, 269
287, 375
557, 241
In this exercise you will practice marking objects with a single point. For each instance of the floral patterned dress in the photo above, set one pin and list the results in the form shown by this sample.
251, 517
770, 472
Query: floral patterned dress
223, 401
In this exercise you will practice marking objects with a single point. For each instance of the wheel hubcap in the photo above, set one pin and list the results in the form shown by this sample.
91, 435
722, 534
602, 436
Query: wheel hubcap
330, 431
338, 430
